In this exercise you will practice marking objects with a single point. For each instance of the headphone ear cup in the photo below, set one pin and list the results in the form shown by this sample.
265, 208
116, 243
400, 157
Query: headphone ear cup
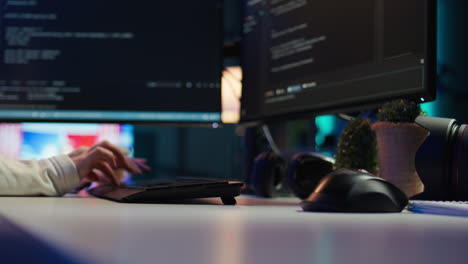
268, 173
305, 170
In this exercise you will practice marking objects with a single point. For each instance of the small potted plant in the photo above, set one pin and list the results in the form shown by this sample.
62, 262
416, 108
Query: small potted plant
357, 147
398, 139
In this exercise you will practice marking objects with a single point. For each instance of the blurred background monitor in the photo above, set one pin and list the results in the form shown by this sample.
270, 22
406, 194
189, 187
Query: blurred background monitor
44, 140
111, 61
326, 56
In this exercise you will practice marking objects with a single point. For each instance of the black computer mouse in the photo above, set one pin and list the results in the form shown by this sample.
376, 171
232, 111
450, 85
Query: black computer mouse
355, 191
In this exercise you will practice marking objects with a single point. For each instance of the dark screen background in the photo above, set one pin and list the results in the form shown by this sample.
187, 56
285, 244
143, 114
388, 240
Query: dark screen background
166, 58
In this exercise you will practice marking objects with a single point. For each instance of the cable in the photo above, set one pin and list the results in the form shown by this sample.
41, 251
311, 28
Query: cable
270, 140
345, 117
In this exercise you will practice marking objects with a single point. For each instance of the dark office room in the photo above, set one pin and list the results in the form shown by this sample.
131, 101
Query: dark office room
233, 131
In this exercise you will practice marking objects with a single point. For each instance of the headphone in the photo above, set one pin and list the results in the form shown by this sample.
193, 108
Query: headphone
273, 176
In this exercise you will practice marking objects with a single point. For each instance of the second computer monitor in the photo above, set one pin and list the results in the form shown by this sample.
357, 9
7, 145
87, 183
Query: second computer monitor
309, 57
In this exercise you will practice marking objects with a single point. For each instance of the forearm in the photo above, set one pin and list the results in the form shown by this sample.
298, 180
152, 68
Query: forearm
51, 177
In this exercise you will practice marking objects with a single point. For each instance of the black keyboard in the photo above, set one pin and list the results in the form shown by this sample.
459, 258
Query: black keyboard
170, 191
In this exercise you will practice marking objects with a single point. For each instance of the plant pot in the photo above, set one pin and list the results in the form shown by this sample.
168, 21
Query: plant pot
397, 145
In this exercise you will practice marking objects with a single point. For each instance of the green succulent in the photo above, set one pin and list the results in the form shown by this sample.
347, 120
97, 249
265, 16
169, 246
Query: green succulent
357, 147
399, 111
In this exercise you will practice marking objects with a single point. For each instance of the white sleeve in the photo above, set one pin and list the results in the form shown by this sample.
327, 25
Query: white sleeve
51, 177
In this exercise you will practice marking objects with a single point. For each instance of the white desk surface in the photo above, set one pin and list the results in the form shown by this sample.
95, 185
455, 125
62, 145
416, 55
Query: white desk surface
255, 231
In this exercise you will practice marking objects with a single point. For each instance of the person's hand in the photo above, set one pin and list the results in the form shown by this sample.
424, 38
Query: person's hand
100, 162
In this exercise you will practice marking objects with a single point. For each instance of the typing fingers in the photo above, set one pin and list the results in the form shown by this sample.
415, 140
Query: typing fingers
99, 154
107, 172
121, 159
97, 175
141, 163
105, 161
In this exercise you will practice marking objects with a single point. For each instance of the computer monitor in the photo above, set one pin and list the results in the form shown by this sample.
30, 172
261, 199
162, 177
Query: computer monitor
111, 61
325, 56
44, 140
